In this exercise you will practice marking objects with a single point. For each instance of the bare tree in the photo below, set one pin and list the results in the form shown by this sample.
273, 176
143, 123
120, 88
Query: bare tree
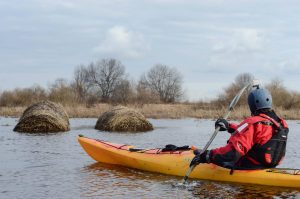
164, 81
275, 84
105, 75
280, 95
80, 83
123, 92
62, 92
230, 91
243, 79
144, 95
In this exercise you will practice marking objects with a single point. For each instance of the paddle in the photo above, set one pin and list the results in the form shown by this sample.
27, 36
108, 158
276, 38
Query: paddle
234, 101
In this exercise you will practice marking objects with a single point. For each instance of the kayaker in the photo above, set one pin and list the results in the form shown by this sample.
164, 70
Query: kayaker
257, 142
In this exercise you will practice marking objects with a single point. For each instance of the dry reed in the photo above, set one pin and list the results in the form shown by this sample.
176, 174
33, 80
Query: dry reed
173, 111
123, 119
42, 117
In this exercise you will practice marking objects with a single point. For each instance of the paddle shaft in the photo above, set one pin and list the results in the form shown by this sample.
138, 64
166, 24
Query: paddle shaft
230, 108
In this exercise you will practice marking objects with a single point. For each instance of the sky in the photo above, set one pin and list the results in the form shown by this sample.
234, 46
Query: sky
209, 42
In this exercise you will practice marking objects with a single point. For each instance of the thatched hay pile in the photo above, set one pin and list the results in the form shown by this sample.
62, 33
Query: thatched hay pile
123, 119
42, 117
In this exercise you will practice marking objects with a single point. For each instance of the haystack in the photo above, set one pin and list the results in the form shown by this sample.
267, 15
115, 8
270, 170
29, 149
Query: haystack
42, 117
123, 119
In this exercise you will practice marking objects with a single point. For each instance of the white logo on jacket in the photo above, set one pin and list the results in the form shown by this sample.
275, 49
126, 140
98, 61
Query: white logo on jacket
241, 128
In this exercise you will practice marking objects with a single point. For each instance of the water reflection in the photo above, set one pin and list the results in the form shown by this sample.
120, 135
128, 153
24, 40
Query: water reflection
115, 181
110, 180
237, 191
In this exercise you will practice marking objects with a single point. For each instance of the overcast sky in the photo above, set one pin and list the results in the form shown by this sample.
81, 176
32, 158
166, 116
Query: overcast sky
209, 42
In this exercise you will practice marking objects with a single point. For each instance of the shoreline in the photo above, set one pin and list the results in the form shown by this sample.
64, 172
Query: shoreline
158, 111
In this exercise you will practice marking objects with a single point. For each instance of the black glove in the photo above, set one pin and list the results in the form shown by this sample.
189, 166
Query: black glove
222, 123
199, 158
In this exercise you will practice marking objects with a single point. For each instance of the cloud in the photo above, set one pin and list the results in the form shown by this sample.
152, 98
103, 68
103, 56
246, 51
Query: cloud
239, 50
289, 66
119, 41
241, 41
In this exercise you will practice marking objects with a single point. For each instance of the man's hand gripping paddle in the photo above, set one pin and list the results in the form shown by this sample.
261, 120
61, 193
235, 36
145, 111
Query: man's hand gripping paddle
254, 83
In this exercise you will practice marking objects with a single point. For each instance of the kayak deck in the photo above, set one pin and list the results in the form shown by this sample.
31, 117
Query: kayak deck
177, 163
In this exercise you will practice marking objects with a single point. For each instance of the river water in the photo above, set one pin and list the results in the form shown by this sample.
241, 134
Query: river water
55, 165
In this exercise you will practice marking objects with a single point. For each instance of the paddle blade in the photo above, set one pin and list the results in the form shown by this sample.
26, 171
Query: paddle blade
256, 83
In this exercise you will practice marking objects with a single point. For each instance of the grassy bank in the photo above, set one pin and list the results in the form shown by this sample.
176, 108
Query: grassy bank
158, 111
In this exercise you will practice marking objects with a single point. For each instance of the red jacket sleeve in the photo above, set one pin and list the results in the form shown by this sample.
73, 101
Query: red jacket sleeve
238, 145
233, 126
243, 139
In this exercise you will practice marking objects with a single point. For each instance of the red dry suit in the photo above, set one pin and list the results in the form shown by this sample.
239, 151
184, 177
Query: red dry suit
257, 142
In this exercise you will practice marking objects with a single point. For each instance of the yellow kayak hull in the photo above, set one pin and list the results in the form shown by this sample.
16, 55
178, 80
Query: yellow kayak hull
177, 163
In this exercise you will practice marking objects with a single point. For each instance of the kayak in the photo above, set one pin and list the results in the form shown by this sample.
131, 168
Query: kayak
177, 163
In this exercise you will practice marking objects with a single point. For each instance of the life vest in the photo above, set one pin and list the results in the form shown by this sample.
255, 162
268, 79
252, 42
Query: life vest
270, 153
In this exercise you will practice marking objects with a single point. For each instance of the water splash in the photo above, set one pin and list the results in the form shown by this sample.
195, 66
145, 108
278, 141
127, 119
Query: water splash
187, 185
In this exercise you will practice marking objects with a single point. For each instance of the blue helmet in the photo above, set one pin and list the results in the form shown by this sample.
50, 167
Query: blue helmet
259, 99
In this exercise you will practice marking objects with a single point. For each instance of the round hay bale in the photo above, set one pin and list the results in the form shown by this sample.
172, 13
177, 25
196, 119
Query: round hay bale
43, 117
123, 119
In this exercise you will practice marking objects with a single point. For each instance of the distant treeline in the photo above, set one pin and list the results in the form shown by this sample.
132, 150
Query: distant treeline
281, 96
106, 81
